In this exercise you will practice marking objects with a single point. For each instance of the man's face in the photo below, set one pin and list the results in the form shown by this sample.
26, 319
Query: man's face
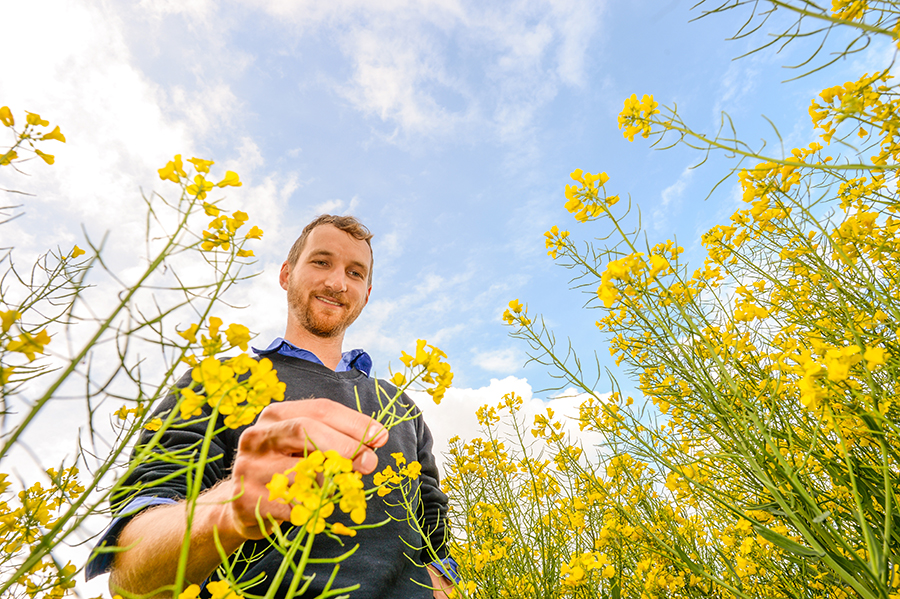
328, 286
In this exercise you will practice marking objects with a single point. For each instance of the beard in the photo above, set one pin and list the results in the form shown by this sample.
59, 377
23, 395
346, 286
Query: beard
317, 321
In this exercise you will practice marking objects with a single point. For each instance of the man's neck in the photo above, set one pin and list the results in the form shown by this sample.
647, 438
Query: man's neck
327, 349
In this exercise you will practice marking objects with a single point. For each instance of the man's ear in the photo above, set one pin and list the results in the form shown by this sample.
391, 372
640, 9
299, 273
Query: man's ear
284, 275
368, 291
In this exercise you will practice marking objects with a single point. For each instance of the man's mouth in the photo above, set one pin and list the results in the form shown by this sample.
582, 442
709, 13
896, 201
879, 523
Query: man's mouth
329, 301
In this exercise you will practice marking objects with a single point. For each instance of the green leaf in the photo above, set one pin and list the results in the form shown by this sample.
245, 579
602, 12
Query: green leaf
785, 543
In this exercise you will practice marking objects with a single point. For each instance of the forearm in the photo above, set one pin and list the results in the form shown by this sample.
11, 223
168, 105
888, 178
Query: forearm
154, 541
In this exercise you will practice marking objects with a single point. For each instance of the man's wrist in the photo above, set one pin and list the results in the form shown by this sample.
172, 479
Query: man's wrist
216, 506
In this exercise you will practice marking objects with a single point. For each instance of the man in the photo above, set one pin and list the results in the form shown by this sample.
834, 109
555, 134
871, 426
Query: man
327, 277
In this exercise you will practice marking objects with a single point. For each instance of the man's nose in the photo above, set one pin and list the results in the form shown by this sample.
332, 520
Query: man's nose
336, 281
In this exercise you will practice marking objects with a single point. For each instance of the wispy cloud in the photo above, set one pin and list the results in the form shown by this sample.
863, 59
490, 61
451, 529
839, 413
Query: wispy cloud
670, 200
452, 68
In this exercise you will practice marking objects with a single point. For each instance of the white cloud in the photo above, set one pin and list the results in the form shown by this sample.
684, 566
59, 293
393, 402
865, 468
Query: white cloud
337, 206
501, 361
455, 416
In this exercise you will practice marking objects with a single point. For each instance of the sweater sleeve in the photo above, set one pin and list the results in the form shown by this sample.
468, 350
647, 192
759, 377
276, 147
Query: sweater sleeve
164, 471
161, 477
433, 505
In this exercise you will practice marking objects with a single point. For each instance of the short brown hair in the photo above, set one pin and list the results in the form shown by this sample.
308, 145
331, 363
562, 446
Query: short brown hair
347, 224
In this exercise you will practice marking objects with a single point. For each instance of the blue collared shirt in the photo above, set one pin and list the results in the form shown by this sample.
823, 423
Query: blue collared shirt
100, 563
355, 358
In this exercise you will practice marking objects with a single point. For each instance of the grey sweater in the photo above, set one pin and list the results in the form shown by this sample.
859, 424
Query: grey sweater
388, 562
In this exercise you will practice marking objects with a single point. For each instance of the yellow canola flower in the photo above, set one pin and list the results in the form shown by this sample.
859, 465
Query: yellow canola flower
35, 119
555, 241
8, 318
238, 336
245, 254
339, 529
191, 592
201, 166
48, 158
436, 372
6, 116
398, 379
657, 265
279, 488
850, 10
154, 424
76, 251
210, 209
30, 345
8, 157
311, 514
56, 134
231, 179
220, 589
874, 357
199, 187
254, 233
190, 333
839, 361
635, 116
173, 171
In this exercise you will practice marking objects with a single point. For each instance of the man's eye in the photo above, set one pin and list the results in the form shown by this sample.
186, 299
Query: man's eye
356, 273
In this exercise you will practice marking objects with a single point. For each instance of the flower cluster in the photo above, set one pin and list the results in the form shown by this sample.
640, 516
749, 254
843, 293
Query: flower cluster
516, 314
388, 479
222, 230
217, 589
870, 104
574, 573
555, 241
426, 366
584, 200
29, 135
236, 335
635, 116
759, 457
314, 486
851, 10
625, 275
238, 388
25, 521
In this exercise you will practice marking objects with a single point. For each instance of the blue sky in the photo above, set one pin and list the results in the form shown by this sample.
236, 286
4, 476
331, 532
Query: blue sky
449, 127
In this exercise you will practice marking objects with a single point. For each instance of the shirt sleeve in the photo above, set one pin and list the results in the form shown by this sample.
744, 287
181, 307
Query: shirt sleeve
101, 557
449, 568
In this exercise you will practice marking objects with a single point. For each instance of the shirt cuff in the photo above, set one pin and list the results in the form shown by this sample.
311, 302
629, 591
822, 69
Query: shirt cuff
447, 567
102, 557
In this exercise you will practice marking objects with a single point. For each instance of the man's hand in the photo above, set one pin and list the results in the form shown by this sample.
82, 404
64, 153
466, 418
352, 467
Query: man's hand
283, 433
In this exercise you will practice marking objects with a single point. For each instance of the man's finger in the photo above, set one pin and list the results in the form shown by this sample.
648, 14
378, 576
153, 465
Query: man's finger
339, 417
299, 436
